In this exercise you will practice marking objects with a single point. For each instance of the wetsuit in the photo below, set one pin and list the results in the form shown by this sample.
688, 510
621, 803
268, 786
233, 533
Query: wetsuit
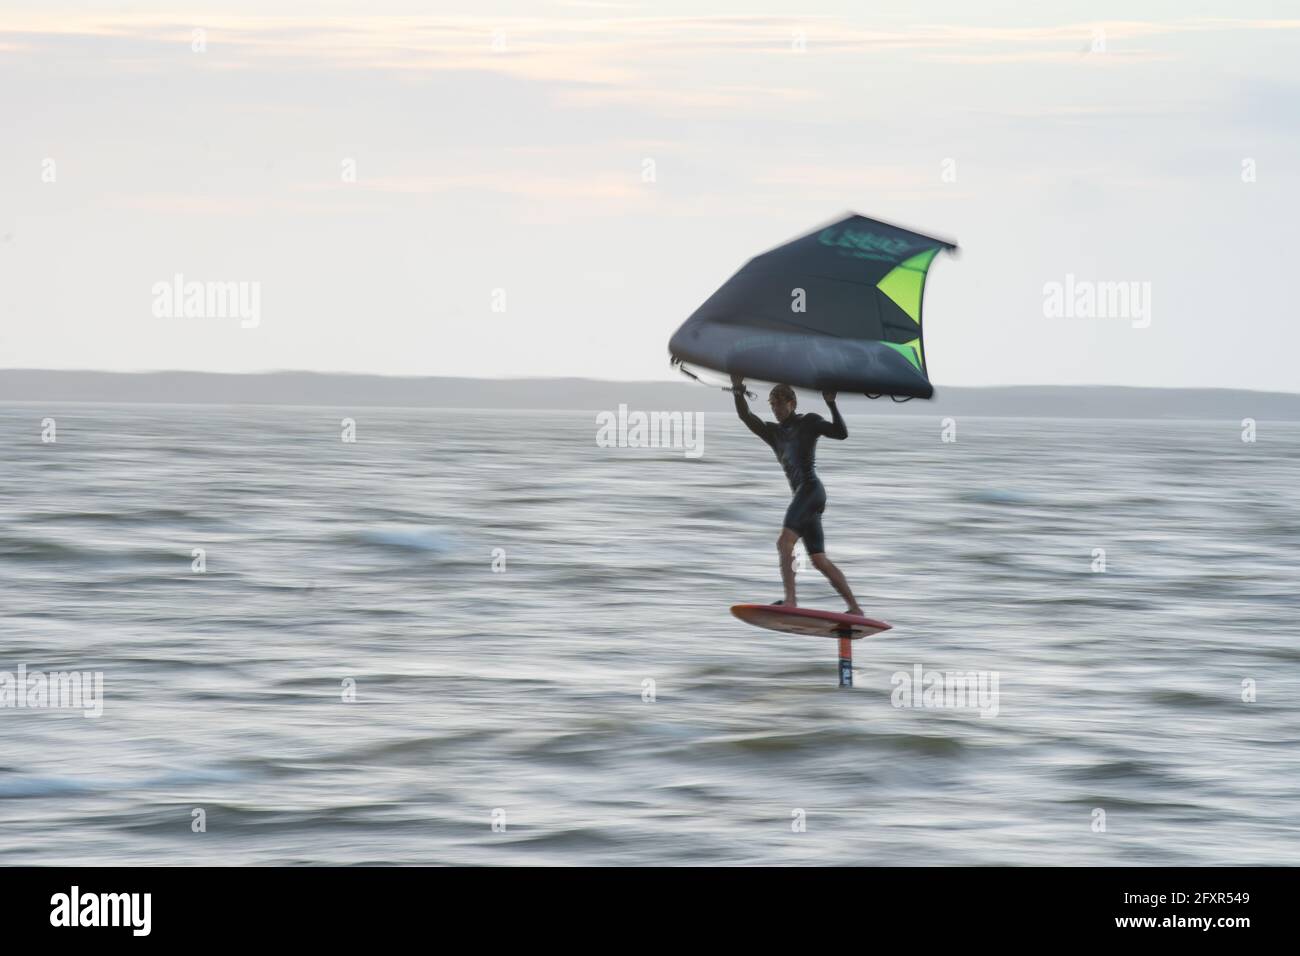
795, 443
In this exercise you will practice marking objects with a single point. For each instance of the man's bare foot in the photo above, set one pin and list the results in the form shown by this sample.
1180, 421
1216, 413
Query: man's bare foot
854, 609
790, 603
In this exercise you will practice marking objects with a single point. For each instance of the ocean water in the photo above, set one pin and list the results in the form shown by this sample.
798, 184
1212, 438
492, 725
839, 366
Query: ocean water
479, 637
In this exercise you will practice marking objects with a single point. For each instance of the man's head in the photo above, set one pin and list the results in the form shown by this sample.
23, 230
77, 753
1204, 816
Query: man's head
783, 402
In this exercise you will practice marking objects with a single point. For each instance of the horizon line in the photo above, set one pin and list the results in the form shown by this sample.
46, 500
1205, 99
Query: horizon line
589, 378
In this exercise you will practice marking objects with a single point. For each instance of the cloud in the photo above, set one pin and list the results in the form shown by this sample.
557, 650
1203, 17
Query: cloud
609, 58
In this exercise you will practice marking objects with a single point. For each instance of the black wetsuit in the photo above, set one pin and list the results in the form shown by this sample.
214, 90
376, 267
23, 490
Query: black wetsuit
795, 443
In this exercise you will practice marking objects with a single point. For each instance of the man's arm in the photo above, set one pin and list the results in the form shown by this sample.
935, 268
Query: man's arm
835, 428
752, 421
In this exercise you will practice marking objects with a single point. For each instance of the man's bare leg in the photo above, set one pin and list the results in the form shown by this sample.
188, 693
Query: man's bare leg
836, 577
785, 551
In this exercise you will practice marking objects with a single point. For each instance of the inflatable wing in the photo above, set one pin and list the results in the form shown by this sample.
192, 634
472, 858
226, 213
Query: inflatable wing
836, 310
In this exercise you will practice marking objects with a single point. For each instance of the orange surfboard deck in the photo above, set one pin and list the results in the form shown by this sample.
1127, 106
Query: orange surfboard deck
806, 620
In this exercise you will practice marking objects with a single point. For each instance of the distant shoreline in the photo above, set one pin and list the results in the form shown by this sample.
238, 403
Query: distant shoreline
334, 390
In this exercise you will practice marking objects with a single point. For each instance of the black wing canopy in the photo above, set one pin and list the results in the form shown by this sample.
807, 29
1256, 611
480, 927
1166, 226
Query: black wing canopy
838, 309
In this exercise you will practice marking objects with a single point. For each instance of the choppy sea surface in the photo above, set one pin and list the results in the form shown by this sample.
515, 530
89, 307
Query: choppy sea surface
479, 637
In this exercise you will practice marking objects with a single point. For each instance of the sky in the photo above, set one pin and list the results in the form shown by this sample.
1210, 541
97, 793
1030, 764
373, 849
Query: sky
550, 189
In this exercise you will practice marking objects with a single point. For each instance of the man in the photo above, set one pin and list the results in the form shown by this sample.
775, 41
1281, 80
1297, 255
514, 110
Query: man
794, 439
